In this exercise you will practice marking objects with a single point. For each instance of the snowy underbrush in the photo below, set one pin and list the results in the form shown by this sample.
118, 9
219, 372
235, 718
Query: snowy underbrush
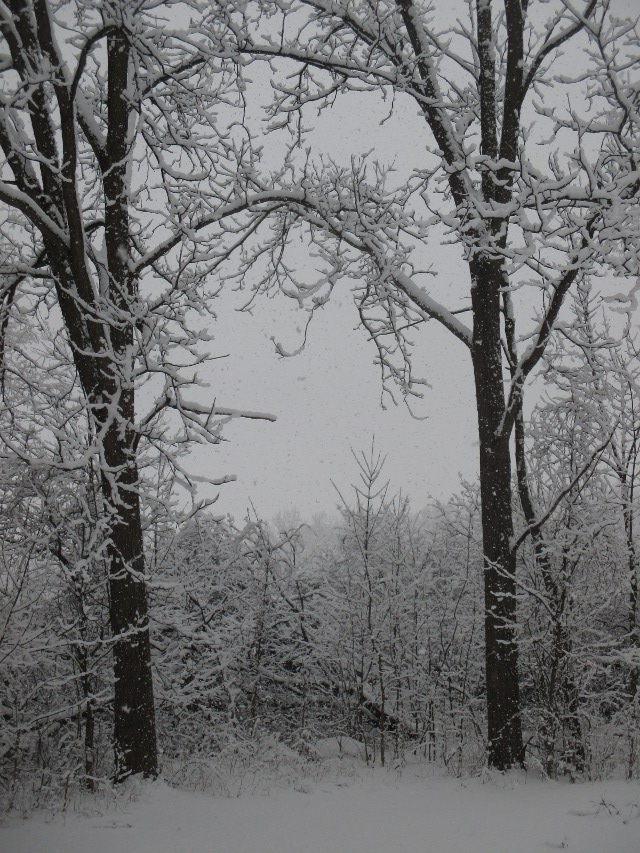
240, 765
70, 792
49, 776
264, 762
234, 763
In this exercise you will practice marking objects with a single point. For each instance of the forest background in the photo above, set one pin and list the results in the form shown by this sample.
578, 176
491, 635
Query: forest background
164, 160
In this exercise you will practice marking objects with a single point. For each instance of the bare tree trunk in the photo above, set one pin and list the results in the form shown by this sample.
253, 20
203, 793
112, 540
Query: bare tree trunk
505, 744
112, 410
134, 716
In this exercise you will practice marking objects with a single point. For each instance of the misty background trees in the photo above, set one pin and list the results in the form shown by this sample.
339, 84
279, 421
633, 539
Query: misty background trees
500, 626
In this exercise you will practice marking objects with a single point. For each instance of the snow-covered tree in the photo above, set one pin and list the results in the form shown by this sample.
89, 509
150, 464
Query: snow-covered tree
402, 631
56, 691
115, 172
580, 486
526, 154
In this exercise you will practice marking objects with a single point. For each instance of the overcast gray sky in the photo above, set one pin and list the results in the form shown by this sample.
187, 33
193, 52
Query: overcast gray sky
327, 398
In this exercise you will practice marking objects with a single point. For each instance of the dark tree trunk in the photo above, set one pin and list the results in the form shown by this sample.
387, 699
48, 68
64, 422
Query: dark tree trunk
134, 716
505, 746
99, 324
134, 735
111, 405
102, 345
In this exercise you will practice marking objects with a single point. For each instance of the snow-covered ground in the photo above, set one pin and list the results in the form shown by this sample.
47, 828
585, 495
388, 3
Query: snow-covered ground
368, 813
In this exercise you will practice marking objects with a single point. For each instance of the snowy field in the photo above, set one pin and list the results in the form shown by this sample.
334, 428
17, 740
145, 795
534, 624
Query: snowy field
376, 813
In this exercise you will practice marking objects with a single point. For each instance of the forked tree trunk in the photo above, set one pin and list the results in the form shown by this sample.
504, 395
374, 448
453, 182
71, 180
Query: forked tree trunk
134, 716
113, 412
102, 344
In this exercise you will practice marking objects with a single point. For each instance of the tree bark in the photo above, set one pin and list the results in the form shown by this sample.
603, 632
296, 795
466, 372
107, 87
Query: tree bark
134, 716
134, 735
505, 746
